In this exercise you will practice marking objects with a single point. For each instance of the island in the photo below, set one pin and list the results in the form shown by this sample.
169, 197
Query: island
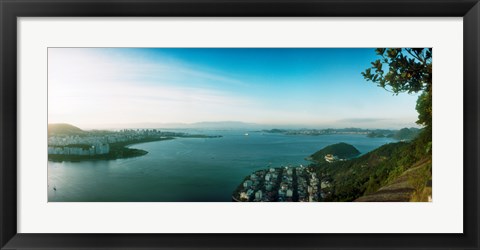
339, 151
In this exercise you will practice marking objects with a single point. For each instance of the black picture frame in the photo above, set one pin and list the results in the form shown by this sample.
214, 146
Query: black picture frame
10, 10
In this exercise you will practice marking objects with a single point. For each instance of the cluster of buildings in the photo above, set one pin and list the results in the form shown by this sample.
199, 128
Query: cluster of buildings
80, 149
330, 158
78, 145
98, 142
285, 191
313, 189
304, 186
327, 131
285, 184
252, 187
333, 158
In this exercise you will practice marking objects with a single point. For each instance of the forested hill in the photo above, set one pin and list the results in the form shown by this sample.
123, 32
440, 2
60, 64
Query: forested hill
401, 135
368, 173
341, 150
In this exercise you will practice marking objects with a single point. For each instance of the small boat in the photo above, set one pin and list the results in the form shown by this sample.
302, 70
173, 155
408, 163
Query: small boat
246, 134
54, 188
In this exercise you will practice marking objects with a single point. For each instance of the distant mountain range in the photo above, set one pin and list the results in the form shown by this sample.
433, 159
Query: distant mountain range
197, 125
223, 124
405, 133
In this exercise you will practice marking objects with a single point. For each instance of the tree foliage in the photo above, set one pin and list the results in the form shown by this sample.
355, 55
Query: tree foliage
405, 70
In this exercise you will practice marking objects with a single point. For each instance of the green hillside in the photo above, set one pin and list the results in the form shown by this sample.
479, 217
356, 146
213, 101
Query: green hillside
368, 173
341, 150
406, 134
412, 185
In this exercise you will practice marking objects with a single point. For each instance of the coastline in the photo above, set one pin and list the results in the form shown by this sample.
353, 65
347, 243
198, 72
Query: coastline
119, 150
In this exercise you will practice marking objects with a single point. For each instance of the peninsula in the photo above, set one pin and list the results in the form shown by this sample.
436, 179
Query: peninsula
69, 143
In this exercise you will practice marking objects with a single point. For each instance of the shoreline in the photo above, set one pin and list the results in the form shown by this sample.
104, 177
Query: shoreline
119, 150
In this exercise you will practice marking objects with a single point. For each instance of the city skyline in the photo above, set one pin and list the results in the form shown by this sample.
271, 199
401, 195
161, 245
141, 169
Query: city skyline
119, 87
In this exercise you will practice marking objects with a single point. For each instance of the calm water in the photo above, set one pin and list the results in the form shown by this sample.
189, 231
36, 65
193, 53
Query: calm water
189, 169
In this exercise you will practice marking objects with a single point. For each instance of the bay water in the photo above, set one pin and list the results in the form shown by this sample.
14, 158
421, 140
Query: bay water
189, 169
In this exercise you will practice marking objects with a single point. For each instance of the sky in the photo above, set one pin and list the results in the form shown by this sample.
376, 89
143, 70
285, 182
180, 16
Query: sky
274, 87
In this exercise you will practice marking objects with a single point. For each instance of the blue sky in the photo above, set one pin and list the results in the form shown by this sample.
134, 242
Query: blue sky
308, 87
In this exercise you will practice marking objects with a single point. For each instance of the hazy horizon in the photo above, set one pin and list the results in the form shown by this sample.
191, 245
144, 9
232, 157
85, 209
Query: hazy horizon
299, 88
223, 125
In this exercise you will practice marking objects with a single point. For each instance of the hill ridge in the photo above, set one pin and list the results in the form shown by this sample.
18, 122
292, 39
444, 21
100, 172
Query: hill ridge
63, 129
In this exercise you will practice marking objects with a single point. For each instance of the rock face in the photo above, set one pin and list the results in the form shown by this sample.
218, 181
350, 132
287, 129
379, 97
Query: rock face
340, 150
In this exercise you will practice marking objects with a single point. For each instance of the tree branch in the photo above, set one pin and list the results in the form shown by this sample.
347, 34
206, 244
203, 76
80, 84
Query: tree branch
415, 56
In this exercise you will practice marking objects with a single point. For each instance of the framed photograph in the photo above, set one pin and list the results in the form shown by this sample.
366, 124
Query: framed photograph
246, 125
